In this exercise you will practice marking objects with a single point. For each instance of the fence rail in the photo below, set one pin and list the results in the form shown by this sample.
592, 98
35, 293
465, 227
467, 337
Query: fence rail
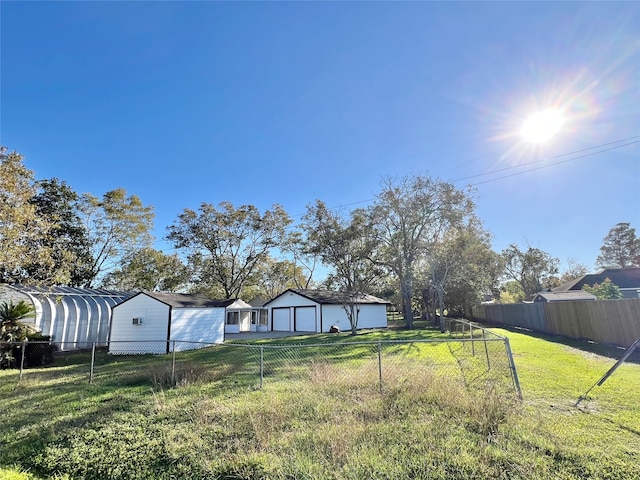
472, 356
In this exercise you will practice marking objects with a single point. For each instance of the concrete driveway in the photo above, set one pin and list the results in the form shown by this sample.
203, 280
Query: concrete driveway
237, 337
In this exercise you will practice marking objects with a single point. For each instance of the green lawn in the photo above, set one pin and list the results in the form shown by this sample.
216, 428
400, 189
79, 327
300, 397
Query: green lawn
218, 425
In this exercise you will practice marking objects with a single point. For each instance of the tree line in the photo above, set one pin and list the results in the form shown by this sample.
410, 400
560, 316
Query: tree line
419, 244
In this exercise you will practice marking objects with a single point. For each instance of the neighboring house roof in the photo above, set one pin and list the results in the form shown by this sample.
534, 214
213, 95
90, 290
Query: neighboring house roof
258, 302
330, 297
621, 277
187, 300
564, 296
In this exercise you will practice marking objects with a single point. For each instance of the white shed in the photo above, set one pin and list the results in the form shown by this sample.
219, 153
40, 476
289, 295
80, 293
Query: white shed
301, 310
150, 322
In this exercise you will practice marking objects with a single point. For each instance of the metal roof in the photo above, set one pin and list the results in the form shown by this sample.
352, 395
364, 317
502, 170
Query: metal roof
73, 316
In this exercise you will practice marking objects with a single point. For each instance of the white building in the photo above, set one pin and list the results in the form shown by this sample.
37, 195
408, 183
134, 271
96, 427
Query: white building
153, 322
74, 318
300, 310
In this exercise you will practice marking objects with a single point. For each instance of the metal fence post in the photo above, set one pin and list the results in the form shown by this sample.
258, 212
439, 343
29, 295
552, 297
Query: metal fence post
486, 350
380, 364
24, 347
473, 345
261, 365
512, 366
173, 365
93, 361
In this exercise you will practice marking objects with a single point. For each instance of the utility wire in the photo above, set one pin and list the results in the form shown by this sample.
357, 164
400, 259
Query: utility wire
555, 156
616, 144
546, 166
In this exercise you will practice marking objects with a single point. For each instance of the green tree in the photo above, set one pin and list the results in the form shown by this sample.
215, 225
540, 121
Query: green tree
410, 216
149, 269
12, 328
511, 292
22, 230
620, 248
117, 225
226, 244
463, 268
345, 246
68, 241
532, 268
606, 290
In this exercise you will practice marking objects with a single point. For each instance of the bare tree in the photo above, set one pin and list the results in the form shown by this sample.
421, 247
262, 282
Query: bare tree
344, 244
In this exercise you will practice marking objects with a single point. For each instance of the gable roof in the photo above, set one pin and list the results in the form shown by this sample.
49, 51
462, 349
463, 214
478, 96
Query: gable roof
187, 300
622, 277
330, 297
565, 296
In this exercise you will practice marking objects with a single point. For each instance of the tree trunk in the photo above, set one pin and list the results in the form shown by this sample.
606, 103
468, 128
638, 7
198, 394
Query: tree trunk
434, 306
407, 311
354, 319
441, 308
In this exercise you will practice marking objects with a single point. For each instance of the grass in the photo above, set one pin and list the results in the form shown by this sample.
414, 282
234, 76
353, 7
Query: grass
333, 425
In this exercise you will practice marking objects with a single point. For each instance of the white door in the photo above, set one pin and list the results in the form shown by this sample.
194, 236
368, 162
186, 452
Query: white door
280, 318
305, 319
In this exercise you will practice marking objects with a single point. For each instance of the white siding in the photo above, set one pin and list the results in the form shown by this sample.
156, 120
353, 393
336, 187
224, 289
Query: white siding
305, 319
290, 306
291, 299
125, 336
197, 325
371, 316
334, 315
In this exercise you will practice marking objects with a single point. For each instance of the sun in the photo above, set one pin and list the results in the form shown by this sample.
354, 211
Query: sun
542, 126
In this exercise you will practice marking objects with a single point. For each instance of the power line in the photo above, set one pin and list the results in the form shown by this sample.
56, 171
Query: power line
616, 144
549, 165
555, 156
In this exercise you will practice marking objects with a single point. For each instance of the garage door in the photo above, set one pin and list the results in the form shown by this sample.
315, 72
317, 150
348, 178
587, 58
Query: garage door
280, 317
305, 320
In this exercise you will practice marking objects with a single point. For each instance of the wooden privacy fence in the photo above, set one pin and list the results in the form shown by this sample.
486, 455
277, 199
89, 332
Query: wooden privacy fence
609, 321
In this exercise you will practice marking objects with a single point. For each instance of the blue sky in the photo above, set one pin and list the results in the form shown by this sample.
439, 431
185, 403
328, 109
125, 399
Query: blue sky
284, 102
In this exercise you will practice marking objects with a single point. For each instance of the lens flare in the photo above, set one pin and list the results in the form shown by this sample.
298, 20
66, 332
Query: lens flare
542, 126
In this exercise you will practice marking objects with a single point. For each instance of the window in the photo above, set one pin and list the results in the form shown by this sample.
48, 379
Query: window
233, 318
137, 321
264, 317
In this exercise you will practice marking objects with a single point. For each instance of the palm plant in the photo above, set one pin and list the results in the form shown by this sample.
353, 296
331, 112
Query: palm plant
12, 329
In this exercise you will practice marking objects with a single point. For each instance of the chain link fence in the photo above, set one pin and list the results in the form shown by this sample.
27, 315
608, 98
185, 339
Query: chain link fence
472, 357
